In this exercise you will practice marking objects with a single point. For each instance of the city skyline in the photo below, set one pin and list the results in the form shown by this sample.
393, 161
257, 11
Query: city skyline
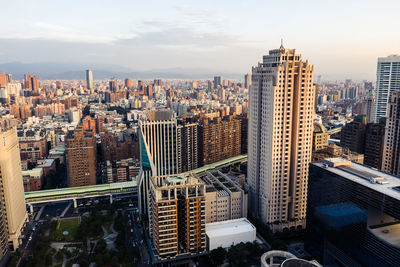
196, 35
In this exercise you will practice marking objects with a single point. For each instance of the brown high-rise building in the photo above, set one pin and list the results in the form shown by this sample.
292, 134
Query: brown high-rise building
128, 83
28, 81
149, 91
374, 142
353, 134
391, 149
35, 84
81, 157
3, 79
12, 201
99, 124
220, 139
177, 215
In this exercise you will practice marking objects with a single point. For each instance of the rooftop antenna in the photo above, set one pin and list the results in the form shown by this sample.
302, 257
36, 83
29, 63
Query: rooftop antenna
281, 43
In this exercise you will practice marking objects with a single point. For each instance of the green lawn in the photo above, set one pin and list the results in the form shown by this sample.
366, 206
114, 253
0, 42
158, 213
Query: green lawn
69, 224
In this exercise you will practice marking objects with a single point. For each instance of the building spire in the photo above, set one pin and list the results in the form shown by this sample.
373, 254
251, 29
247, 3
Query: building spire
281, 43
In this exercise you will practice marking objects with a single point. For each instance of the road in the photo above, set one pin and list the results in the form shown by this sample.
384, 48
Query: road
138, 239
29, 242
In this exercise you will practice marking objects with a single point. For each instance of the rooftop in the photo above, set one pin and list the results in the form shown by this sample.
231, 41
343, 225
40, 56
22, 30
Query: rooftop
372, 178
389, 233
230, 227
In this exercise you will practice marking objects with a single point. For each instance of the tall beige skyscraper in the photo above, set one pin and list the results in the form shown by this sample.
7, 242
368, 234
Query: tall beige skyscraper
11, 182
89, 79
280, 138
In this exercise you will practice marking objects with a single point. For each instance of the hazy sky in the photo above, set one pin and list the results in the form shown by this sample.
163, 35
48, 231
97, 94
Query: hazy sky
338, 37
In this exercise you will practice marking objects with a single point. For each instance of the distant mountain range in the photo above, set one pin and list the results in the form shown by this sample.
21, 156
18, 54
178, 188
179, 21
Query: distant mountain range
64, 71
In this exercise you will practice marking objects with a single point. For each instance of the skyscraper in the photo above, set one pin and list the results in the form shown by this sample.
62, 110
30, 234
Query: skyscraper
113, 86
280, 138
89, 79
81, 157
387, 81
12, 201
158, 149
391, 149
217, 81
247, 81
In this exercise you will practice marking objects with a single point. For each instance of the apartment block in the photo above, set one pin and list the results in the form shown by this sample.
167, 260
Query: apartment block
177, 215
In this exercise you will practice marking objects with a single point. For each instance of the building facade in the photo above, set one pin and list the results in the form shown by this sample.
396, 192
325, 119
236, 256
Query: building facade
220, 139
224, 199
281, 108
12, 188
391, 150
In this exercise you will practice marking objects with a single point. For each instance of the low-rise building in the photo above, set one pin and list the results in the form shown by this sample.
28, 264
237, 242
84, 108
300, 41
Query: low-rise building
231, 232
33, 179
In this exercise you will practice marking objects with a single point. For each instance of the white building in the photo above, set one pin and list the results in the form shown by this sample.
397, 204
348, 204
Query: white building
227, 233
387, 81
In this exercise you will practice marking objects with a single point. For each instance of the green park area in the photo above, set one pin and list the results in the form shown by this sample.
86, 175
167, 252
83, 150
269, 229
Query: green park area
98, 236
66, 229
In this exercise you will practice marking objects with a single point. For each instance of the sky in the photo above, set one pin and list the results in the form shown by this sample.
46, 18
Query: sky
340, 38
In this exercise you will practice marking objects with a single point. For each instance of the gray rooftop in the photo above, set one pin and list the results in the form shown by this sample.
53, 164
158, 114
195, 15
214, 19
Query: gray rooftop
369, 177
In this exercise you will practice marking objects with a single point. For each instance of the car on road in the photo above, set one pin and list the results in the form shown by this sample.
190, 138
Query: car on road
30, 238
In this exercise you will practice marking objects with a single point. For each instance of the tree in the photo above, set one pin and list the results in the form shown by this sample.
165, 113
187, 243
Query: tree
217, 256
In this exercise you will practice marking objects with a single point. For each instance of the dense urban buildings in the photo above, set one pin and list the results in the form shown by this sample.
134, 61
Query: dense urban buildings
280, 138
387, 82
354, 211
81, 157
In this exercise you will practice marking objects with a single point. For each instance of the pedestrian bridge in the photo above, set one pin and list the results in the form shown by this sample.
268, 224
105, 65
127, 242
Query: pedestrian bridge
73, 193
113, 189
334, 130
